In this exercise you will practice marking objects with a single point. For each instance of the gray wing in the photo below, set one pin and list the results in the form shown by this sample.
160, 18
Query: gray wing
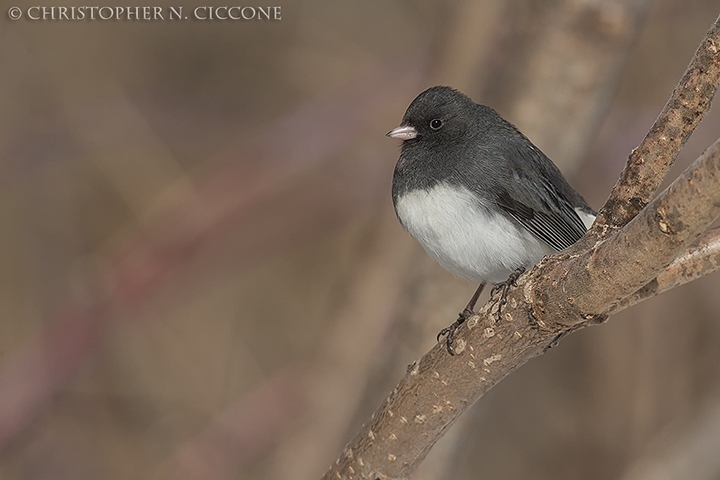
536, 194
543, 211
525, 184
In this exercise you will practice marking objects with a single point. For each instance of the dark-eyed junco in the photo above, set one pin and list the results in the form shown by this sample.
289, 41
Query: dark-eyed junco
478, 195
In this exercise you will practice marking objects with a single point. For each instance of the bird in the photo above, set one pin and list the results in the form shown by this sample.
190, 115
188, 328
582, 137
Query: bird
478, 195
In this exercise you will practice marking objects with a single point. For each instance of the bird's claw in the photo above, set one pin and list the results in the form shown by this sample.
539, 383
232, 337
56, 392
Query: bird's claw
449, 331
504, 288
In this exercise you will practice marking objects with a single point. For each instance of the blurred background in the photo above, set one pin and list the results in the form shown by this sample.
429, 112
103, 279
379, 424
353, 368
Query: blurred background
202, 277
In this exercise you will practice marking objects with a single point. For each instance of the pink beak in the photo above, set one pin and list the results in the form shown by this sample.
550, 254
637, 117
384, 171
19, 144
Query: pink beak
403, 132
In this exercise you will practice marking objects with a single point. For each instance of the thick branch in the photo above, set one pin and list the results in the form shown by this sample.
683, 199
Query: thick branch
436, 390
651, 160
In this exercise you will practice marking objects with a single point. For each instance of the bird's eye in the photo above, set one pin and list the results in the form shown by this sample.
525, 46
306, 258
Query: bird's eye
436, 124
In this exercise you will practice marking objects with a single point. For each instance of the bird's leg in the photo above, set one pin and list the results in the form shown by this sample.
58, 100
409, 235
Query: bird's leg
505, 287
464, 315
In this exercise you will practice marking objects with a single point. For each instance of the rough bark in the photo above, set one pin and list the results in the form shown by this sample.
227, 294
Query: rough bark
702, 258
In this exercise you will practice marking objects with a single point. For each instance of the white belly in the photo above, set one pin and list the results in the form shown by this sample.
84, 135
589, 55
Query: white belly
466, 238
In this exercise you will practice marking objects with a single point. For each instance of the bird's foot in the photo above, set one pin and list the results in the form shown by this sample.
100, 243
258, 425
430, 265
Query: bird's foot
464, 315
504, 288
449, 331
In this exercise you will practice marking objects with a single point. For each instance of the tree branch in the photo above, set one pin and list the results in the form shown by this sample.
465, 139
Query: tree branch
651, 160
627, 260
702, 258
564, 292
